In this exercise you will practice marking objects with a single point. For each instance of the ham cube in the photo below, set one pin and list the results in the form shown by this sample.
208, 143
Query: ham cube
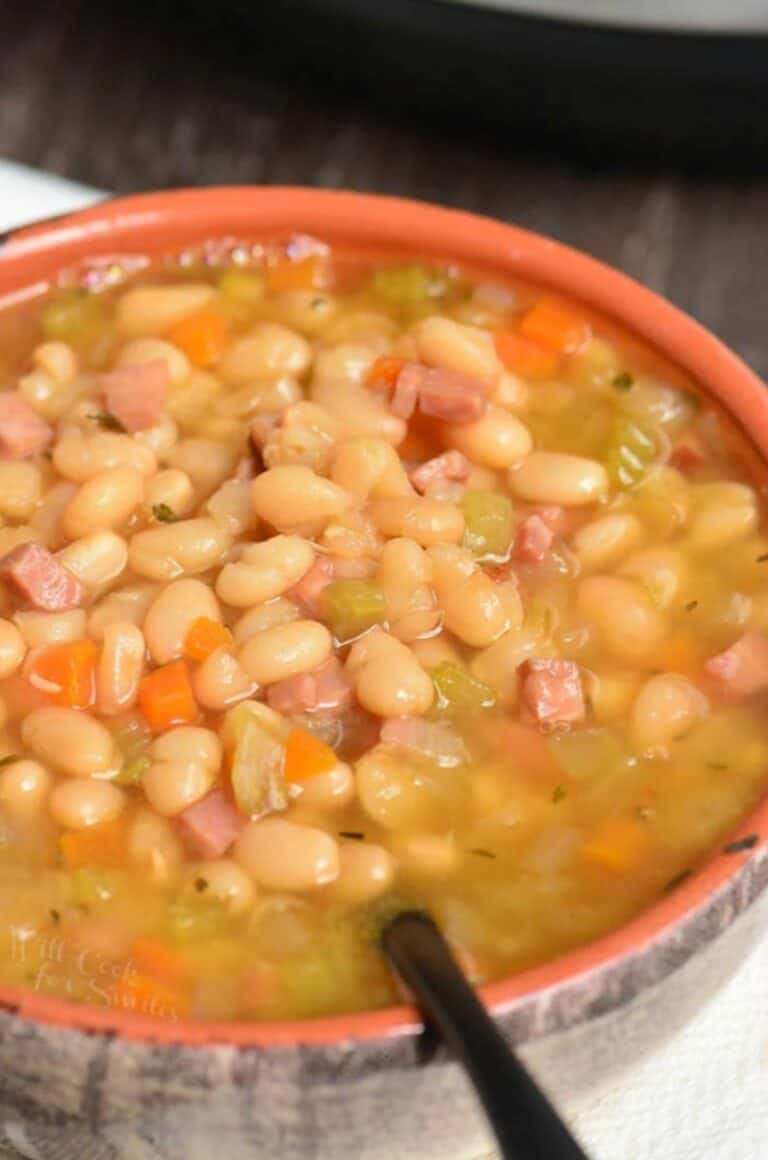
135, 393
687, 453
211, 825
551, 691
742, 669
533, 540
452, 397
307, 592
22, 432
327, 691
451, 465
40, 580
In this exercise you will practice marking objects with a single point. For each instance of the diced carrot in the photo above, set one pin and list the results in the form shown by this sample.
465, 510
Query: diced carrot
204, 637
148, 996
384, 372
617, 845
680, 654
305, 756
66, 673
304, 274
102, 846
556, 325
202, 336
166, 697
157, 959
525, 357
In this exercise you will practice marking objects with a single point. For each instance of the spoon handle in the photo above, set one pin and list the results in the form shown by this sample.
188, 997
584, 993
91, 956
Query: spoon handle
526, 1125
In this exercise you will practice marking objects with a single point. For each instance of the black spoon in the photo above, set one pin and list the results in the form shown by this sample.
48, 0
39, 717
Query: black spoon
526, 1125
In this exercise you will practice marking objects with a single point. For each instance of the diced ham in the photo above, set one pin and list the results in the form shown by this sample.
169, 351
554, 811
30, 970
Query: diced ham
405, 396
451, 465
533, 540
40, 579
135, 393
22, 432
210, 826
307, 592
327, 690
554, 516
446, 395
452, 397
687, 452
437, 742
742, 669
551, 691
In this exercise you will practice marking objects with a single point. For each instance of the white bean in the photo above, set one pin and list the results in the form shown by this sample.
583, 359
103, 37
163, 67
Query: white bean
120, 668
79, 804
629, 624
96, 559
666, 707
71, 741
497, 439
469, 350
282, 855
147, 310
285, 650
171, 550
552, 477
173, 612
265, 570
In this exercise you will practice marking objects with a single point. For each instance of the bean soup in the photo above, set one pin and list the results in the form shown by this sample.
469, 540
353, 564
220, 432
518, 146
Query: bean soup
331, 585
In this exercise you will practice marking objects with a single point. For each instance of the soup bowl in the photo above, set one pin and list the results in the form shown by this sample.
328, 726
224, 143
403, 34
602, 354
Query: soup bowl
106, 1084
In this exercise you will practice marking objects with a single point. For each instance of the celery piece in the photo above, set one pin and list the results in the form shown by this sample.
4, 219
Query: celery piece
459, 691
193, 920
351, 607
488, 522
72, 316
590, 753
132, 771
242, 286
257, 762
630, 452
409, 287
92, 886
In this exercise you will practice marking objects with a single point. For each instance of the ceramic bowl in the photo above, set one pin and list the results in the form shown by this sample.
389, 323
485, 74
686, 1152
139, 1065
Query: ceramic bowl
80, 1083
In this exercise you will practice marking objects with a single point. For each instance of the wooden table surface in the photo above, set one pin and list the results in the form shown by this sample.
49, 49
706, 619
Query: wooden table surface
129, 98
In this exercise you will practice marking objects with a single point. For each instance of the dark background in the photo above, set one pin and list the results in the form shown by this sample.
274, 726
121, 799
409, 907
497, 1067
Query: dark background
144, 96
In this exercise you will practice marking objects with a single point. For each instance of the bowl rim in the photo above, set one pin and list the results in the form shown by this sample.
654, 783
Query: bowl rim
670, 930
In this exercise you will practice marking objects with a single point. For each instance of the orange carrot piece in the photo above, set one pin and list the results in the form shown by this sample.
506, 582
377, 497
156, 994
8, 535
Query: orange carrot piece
147, 996
384, 372
304, 274
202, 336
618, 845
205, 636
305, 756
166, 697
66, 673
157, 959
556, 325
525, 357
102, 846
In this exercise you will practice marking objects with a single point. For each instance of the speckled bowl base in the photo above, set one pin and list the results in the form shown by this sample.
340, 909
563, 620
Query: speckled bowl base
140, 1103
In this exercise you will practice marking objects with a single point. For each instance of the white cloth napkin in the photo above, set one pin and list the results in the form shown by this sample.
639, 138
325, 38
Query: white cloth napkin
702, 1093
